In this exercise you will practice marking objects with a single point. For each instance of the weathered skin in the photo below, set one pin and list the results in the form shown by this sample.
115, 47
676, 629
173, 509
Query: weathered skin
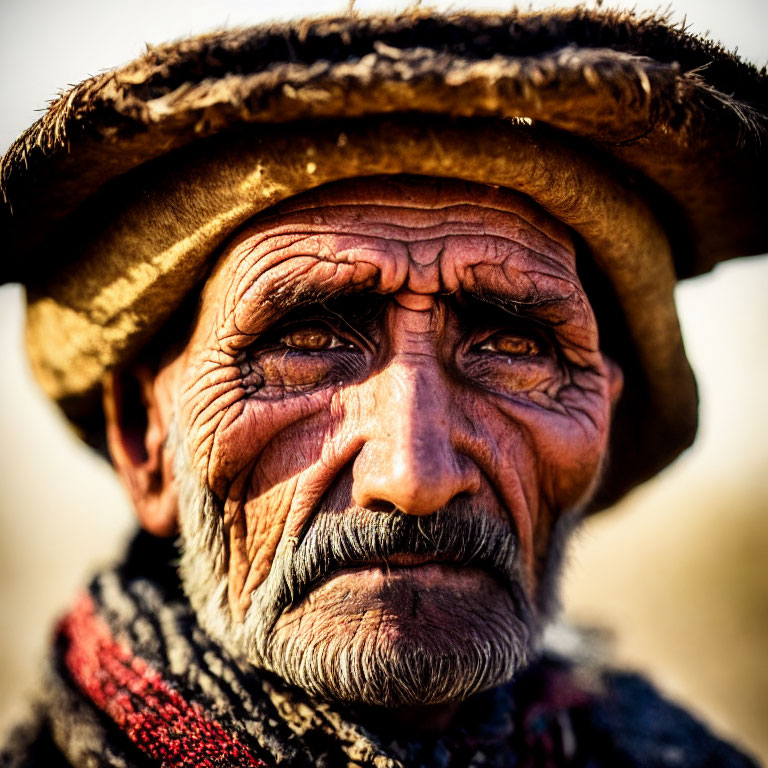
392, 345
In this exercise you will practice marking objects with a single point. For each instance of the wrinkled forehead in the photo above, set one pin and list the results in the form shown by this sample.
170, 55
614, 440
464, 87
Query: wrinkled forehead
422, 234
423, 200
428, 199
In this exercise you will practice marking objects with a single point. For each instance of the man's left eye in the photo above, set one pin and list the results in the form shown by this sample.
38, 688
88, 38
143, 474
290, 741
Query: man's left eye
510, 344
312, 339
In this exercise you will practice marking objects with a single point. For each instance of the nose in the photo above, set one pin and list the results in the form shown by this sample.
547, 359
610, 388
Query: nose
409, 460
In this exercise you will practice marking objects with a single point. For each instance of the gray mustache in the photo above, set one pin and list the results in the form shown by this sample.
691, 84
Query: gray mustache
335, 540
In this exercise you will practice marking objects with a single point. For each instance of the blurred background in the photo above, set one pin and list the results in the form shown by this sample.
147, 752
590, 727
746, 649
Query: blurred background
676, 574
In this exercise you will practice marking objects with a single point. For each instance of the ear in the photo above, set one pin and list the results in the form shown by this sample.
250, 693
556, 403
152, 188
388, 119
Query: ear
615, 381
137, 420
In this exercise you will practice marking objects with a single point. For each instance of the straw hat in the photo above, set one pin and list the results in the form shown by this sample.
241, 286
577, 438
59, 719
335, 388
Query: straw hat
648, 142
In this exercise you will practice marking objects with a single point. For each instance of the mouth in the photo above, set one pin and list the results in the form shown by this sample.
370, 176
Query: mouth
402, 561
360, 551
369, 579
428, 569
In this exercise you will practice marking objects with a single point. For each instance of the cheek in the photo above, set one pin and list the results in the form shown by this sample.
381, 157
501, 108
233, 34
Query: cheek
542, 462
257, 463
255, 528
210, 394
229, 431
574, 444
545, 460
273, 462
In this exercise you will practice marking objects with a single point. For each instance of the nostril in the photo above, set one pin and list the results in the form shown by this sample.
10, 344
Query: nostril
379, 505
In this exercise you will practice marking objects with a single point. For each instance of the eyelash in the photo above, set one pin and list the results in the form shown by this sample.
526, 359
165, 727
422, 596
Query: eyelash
336, 342
319, 325
536, 337
503, 357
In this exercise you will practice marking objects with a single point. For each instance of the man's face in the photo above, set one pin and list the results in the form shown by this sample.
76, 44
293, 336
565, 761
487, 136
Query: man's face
392, 393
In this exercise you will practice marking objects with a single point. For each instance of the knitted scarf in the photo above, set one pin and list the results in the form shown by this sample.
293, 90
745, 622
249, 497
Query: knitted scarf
135, 682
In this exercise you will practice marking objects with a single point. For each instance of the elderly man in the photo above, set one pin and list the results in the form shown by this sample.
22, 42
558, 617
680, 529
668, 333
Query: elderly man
371, 312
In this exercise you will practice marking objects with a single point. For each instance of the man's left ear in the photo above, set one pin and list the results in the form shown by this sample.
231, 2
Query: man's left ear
137, 421
615, 381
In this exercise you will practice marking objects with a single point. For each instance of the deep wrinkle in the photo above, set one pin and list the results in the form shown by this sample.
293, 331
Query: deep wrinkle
277, 277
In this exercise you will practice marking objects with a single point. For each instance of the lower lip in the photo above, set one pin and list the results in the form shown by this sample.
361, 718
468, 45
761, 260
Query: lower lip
428, 574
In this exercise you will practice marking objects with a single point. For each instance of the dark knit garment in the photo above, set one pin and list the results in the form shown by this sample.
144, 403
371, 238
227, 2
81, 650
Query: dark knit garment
134, 682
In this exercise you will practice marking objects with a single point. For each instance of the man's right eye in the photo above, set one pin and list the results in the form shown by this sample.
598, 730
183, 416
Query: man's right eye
300, 357
312, 339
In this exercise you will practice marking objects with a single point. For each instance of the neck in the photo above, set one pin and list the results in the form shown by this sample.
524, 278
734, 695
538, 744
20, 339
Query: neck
421, 718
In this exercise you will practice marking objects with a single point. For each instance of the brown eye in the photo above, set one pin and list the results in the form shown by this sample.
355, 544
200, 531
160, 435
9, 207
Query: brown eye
311, 339
510, 344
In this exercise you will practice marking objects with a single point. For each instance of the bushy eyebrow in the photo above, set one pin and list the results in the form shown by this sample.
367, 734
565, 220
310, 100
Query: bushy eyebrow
550, 309
357, 308
292, 296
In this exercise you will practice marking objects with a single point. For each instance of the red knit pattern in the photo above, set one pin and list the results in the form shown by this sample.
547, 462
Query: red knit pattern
153, 715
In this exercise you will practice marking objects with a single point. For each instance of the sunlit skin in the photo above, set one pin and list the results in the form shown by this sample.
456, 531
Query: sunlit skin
391, 346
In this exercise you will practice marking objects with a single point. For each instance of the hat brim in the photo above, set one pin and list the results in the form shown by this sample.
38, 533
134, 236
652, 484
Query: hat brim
685, 115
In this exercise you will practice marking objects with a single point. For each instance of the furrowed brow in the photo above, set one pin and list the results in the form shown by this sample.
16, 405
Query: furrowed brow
350, 304
255, 315
295, 295
550, 309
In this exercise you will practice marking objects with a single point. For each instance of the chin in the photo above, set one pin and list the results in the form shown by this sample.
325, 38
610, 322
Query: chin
396, 637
